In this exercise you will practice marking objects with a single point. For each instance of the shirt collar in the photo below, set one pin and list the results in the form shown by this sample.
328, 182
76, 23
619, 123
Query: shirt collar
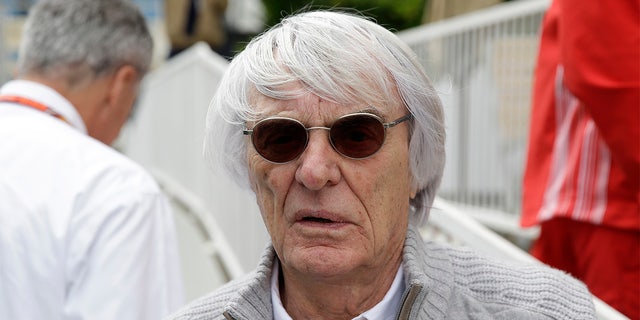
47, 96
387, 308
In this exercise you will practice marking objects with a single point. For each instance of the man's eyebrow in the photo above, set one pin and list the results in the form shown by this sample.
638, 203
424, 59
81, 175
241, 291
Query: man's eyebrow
371, 109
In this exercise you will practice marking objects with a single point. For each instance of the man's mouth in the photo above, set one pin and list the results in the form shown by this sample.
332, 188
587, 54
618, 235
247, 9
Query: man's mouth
316, 219
310, 222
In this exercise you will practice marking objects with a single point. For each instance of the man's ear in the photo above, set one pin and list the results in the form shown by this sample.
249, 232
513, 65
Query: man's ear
118, 91
123, 81
413, 187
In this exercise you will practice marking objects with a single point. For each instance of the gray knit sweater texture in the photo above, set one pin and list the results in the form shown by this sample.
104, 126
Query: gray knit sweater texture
443, 282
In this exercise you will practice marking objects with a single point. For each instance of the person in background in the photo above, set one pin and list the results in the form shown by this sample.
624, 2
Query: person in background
85, 233
244, 19
582, 178
333, 123
436, 10
191, 21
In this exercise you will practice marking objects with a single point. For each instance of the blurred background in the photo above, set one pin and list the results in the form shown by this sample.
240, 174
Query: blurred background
479, 54
245, 18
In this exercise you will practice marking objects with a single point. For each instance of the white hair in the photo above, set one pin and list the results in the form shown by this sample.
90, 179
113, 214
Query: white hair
340, 57
79, 39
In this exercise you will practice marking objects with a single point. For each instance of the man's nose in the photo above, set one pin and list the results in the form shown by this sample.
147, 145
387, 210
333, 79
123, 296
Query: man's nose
318, 165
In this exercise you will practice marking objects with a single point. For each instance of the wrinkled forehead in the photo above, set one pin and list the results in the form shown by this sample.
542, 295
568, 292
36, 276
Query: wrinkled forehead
308, 105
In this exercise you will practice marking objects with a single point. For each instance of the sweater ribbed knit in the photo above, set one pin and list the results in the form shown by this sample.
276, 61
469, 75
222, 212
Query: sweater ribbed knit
443, 282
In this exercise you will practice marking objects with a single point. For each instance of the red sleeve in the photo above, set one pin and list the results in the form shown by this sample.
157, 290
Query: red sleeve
600, 52
542, 129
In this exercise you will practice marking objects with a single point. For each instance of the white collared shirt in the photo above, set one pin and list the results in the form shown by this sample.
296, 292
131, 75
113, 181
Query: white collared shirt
85, 233
39, 92
386, 309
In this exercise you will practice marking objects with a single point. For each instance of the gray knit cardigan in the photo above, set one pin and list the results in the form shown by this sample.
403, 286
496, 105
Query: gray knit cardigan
442, 282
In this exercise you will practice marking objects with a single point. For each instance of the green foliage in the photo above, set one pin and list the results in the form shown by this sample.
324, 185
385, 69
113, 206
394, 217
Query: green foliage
392, 14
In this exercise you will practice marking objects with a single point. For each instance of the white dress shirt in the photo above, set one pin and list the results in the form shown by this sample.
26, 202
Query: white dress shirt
85, 233
386, 309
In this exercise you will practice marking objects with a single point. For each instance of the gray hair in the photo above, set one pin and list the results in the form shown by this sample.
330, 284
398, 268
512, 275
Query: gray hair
340, 57
77, 39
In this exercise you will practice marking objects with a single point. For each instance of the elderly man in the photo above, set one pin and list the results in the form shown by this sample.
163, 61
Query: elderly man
335, 126
85, 233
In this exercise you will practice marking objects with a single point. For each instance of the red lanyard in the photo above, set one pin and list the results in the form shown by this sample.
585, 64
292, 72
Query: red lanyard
32, 104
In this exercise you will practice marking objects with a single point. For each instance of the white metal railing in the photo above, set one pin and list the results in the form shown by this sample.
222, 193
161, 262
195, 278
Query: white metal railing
482, 64
215, 244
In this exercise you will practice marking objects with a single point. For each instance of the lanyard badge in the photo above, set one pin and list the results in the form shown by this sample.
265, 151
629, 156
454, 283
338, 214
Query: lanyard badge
32, 104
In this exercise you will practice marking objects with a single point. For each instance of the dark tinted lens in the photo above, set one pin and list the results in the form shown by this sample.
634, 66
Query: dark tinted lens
357, 136
279, 140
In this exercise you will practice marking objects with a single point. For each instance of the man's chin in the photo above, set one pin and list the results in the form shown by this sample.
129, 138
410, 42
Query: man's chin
323, 261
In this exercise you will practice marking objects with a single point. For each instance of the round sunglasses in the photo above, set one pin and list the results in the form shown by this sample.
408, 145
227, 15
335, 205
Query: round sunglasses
355, 136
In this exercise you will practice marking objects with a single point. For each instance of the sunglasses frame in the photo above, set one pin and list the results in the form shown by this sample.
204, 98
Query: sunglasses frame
385, 125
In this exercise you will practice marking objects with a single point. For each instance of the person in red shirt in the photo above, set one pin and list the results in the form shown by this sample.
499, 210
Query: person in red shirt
582, 178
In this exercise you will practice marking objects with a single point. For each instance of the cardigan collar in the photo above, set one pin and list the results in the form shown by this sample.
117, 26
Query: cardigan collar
429, 279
